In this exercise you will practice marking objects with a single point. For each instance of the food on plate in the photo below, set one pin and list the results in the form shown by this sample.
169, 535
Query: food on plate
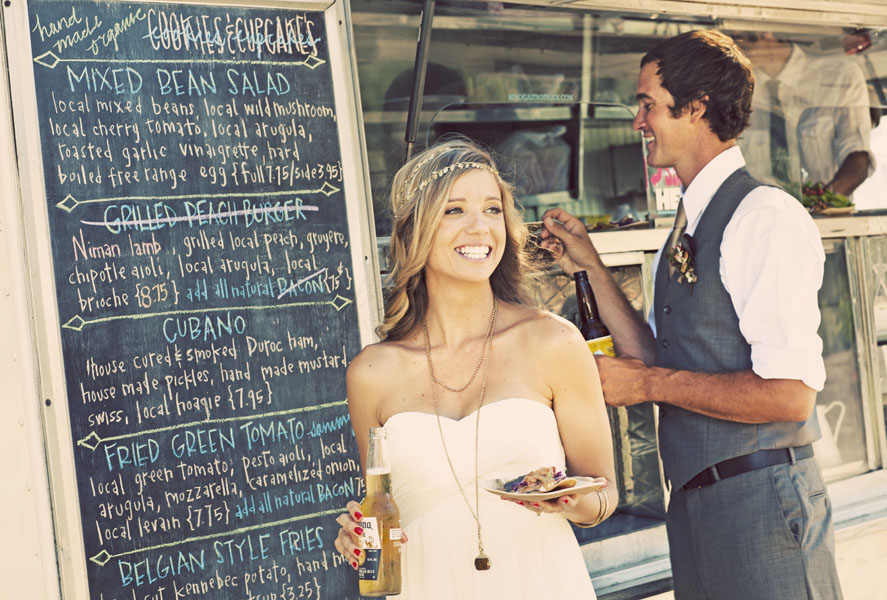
543, 479
816, 197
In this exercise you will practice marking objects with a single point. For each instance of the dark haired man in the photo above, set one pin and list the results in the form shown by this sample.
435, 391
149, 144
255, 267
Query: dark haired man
731, 352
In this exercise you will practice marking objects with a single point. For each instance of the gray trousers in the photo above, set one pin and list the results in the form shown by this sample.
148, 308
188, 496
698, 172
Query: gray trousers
762, 535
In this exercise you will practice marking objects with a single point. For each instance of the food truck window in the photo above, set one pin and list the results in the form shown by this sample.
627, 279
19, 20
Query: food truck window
509, 78
840, 407
869, 47
876, 253
550, 91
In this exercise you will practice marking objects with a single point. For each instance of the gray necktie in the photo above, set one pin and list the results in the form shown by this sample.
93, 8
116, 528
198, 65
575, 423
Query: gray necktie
778, 138
680, 225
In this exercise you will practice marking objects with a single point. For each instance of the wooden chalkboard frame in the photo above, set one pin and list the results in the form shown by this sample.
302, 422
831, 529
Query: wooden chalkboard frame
37, 259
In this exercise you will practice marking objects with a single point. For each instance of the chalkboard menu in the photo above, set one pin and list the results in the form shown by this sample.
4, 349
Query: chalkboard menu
202, 261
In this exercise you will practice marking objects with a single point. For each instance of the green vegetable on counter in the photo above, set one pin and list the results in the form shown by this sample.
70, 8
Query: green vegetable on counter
816, 197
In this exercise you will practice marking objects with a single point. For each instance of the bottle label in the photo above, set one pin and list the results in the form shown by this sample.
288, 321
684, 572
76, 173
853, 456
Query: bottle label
371, 542
395, 534
602, 345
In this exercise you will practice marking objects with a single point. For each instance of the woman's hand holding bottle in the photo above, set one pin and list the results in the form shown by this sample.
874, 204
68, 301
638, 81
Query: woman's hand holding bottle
348, 540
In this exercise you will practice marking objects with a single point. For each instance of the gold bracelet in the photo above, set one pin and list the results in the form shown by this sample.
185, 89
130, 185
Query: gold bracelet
606, 512
604, 501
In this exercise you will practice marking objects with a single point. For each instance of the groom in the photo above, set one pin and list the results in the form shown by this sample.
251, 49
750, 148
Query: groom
731, 352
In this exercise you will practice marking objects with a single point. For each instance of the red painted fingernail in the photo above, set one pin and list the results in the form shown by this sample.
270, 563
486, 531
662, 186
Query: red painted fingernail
358, 530
565, 501
358, 515
521, 503
354, 564
535, 504
357, 552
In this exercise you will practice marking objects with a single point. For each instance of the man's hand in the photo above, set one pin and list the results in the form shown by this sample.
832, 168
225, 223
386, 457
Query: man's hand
566, 238
623, 380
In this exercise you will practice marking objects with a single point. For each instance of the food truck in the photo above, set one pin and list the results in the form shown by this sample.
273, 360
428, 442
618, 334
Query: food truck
146, 207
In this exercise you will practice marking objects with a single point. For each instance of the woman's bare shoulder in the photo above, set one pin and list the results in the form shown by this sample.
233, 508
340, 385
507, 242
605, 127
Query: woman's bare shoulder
542, 327
376, 361
544, 348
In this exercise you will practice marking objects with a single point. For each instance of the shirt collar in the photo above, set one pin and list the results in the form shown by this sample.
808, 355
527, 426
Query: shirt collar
794, 66
697, 196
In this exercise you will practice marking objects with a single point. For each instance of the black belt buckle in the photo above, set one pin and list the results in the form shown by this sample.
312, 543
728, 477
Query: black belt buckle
705, 477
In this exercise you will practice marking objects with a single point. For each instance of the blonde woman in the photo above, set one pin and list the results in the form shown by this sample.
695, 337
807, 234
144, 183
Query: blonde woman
470, 384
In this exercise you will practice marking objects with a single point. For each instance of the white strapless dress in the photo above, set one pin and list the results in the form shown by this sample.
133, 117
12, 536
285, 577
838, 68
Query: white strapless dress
532, 557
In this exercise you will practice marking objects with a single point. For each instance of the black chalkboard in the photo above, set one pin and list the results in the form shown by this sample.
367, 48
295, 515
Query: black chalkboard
202, 262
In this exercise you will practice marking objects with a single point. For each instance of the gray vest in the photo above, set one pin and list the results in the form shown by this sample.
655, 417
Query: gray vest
700, 332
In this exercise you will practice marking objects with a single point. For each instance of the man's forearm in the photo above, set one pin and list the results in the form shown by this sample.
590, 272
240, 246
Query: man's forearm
743, 396
852, 172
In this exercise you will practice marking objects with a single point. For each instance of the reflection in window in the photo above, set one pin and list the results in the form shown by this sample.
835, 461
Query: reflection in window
811, 120
839, 405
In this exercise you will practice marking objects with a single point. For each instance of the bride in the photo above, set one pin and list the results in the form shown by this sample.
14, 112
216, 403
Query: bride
470, 383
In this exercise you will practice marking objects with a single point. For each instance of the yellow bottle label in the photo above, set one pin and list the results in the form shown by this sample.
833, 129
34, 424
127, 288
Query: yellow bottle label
371, 542
602, 345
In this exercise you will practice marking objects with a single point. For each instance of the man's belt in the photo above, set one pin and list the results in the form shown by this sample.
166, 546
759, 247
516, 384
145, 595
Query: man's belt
748, 462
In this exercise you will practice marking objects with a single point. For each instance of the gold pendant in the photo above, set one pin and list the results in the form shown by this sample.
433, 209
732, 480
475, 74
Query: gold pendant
482, 562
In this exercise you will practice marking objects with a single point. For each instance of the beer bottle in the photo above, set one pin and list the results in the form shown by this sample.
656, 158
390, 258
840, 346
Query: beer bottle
379, 573
593, 329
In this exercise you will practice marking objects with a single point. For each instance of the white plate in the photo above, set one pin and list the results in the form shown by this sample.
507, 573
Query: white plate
583, 485
843, 210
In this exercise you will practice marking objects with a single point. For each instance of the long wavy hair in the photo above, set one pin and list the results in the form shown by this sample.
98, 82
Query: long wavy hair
419, 194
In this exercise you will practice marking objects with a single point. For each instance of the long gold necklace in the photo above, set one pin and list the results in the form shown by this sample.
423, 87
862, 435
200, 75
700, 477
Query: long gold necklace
482, 562
476, 367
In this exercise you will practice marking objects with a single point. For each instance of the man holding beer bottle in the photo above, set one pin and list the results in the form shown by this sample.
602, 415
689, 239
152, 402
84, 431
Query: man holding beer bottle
730, 352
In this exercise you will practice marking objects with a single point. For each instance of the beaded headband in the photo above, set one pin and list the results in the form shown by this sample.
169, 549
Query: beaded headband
454, 167
435, 175
431, 156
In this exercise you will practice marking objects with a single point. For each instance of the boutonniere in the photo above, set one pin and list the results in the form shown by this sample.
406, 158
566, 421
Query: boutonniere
681, 258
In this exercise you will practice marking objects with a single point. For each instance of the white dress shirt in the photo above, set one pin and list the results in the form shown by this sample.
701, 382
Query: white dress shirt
772, 267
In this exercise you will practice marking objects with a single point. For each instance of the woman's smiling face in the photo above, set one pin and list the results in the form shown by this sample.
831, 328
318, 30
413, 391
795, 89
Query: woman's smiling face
470, 240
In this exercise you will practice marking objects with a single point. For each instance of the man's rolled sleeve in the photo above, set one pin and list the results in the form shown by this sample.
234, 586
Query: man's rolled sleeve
853, 132
852, 120
770, 362
772, 266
